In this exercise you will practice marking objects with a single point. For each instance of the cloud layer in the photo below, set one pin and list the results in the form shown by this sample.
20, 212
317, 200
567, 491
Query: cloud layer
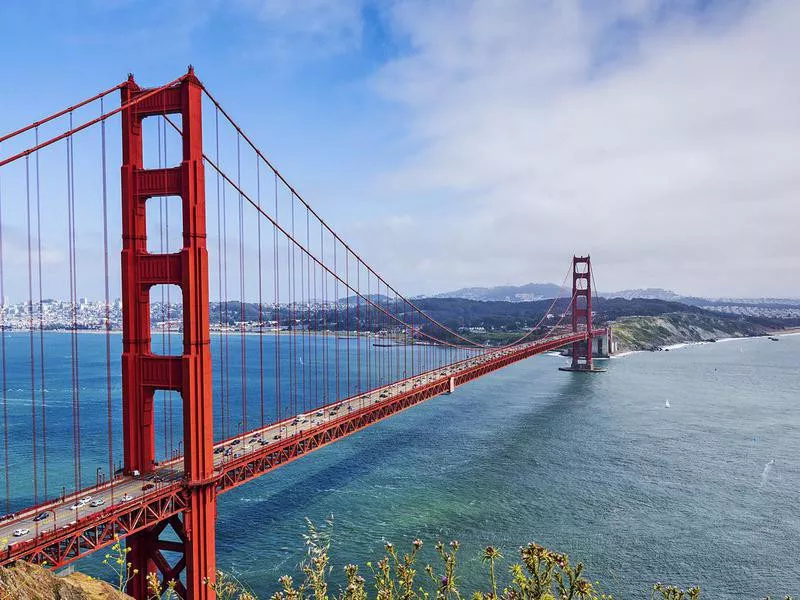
662, 138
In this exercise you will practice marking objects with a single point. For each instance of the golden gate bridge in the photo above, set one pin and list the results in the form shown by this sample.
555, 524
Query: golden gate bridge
381, 353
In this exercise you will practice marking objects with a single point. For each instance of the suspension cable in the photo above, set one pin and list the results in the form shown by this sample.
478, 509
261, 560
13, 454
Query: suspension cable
318, 217
61, 113
336, 276
290, 237
75, 129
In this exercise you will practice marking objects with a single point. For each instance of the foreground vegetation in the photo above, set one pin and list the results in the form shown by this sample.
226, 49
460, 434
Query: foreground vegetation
539, 574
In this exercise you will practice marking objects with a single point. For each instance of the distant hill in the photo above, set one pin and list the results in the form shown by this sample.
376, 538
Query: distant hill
647, 293
530, 292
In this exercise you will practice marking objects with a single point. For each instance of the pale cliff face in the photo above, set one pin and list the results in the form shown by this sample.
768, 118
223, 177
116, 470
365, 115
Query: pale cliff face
24, 581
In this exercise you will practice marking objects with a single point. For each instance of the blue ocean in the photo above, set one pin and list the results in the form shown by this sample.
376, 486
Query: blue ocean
702, 492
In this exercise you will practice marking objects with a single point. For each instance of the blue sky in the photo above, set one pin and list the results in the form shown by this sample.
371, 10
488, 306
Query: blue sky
487, 141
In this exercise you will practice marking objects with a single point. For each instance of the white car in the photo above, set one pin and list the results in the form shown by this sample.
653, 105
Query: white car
21, 532
85, 500
125, 498
96, 503
77, 505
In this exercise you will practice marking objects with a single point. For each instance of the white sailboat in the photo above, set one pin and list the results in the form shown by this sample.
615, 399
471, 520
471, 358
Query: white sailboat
666, 404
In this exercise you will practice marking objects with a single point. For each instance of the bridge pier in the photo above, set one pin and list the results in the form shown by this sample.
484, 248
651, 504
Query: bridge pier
604, 345
190, 373
582, 351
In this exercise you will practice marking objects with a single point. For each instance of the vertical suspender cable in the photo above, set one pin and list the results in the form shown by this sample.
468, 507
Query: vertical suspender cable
324, 339
74, 303
348, 390
292, 359
307, 329
242, 340
107, 306
276, 283
219, 285
369, 335
3, 364
358, 328
41, 313
398, 340
301, 367
168, 394
31, 337
293, 289
226, 330
317, 338
162, 248
260, 297
72, 347
338, 327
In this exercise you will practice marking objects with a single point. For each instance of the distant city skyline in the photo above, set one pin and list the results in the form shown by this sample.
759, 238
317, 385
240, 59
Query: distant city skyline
487, 143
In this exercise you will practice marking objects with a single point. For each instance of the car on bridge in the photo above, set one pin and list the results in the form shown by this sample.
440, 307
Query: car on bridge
41, 517
21, 531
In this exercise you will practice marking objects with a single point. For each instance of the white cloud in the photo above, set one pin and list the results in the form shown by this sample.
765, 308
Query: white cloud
321, 26
673, 160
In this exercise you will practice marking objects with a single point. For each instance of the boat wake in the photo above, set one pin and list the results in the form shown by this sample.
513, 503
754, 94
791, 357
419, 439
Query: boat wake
765, 472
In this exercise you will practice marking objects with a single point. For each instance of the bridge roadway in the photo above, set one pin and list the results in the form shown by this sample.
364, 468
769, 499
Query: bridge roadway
129, 503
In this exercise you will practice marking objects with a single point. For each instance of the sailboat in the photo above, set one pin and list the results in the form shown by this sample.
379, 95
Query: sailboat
666, 404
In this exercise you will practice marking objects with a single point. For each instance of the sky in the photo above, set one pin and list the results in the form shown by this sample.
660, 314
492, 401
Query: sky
481, 142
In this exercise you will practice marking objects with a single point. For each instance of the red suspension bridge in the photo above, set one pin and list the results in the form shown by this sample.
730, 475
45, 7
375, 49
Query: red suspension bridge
333, 347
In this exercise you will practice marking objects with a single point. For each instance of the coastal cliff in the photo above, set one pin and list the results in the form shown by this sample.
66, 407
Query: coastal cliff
652, 332
25, 581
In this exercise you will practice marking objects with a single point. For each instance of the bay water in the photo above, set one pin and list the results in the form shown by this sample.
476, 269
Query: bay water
703, 492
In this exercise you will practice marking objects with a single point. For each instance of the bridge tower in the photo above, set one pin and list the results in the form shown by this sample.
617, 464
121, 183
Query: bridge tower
144, 372
582, 314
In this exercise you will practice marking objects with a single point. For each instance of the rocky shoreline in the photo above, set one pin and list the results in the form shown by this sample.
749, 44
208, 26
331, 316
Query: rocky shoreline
655, 333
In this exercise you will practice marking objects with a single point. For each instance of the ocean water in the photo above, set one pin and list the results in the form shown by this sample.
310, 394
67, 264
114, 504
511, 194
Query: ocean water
704, 492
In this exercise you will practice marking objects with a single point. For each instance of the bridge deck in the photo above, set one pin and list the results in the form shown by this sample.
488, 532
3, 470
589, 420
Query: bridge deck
135, 503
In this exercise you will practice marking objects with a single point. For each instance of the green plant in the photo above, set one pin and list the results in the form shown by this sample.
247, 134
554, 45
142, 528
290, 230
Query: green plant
446, 580
228, 587
541, 574
155, 591
117, 561
670, 592
490, 556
